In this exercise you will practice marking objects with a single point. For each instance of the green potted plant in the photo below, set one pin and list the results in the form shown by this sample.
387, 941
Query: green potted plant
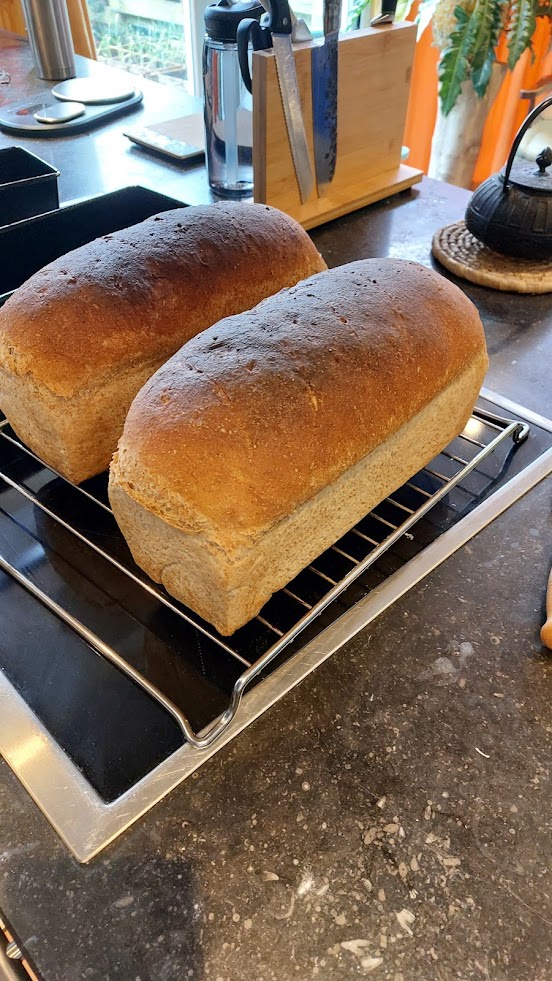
467, 33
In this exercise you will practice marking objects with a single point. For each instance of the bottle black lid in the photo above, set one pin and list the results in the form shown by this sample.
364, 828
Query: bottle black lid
222, 18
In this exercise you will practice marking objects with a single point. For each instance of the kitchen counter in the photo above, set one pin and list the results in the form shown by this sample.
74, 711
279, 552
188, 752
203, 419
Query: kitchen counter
103, 159
390, 817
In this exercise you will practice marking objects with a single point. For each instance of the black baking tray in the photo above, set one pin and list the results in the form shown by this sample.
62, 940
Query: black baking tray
28, 185
111, 729
27, 246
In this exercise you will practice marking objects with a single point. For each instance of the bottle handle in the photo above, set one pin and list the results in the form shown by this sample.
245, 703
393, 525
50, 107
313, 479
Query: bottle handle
261, 39
520, 134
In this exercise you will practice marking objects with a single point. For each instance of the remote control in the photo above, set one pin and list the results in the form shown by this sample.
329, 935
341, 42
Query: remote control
152, 140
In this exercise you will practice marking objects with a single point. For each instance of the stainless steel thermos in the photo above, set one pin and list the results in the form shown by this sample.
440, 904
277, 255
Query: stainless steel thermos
50, 38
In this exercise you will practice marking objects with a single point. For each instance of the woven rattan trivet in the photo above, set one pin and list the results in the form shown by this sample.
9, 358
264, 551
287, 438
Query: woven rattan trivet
464, 255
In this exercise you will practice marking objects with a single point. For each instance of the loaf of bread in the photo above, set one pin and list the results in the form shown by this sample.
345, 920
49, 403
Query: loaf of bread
271, 434
80, 338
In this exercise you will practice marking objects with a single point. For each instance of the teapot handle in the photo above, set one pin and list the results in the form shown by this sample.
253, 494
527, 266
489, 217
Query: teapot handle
520, 134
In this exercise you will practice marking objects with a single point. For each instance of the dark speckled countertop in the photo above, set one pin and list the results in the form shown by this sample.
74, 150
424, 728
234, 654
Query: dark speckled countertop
391, 816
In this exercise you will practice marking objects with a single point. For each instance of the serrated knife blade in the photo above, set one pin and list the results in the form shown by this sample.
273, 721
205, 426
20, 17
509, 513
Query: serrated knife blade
289, 90
281, 27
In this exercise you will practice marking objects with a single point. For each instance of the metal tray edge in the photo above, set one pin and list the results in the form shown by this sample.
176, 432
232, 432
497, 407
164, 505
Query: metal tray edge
87, 825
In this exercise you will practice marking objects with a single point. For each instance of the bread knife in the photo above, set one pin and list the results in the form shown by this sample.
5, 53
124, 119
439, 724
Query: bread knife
281, 27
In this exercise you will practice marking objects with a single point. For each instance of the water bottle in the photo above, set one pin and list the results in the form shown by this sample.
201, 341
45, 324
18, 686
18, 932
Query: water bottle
50, 38
228, 104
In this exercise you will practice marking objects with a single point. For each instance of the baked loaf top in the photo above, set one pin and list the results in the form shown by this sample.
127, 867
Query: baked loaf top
256, 415
121, 299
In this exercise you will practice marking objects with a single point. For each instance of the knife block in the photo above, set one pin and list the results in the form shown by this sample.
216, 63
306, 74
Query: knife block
375, 66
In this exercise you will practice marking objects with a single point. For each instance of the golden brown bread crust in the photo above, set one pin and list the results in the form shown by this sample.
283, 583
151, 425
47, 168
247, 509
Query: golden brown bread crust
256, 415
228, 587
140, 293
80, 338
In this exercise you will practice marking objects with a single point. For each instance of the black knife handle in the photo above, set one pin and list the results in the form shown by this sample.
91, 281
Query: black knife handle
260, 37
388, 7
332, 16
280, 17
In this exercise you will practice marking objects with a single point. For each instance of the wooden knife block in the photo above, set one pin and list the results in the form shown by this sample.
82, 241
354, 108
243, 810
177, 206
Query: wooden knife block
375, 66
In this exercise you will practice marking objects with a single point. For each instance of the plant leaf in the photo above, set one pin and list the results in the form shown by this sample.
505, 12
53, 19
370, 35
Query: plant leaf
489, 22
355, 12
454, 65
403, 9
520, 30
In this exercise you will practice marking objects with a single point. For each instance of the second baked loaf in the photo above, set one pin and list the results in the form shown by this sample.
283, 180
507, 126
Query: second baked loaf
271, 434
80, 338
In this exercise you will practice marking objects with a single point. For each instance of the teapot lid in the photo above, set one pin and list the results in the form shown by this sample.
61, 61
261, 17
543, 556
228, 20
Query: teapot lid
533, 176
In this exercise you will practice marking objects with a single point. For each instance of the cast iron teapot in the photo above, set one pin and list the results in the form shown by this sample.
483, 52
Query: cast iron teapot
511, 212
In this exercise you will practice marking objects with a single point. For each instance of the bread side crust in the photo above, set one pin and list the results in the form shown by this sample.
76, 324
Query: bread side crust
74, 436
82, 336
254, 416
229, 587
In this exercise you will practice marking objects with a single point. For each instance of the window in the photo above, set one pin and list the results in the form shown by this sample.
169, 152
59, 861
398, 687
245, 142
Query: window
146, 37
163, 39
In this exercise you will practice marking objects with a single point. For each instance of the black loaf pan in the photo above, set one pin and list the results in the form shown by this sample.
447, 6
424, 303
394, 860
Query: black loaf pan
29, 245
28, 185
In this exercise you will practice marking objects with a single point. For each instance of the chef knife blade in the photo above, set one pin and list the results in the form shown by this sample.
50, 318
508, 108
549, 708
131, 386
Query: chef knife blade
324, 68
386, 14
281, 27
